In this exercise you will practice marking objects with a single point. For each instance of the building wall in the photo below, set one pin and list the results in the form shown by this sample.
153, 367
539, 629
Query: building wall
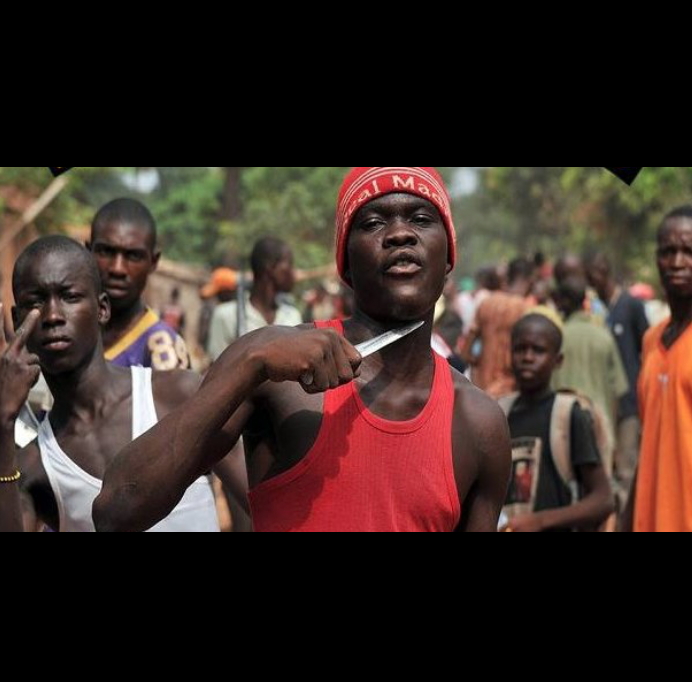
7, 260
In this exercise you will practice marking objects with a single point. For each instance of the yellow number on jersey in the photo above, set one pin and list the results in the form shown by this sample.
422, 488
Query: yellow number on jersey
163, 355
183, 355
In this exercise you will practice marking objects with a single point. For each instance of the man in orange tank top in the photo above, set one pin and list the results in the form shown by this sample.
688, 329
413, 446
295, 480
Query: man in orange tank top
663, 489
398, 442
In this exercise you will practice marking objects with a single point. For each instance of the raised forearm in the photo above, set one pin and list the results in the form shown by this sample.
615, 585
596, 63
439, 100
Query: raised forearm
10, 504
149, 477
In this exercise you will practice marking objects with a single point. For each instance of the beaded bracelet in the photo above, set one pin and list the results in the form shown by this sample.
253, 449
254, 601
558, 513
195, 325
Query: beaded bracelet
11, 479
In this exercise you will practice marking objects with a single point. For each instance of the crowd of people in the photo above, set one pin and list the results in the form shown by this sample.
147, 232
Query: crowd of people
540, 397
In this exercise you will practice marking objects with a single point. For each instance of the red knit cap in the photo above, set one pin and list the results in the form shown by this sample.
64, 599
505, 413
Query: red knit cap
362, 185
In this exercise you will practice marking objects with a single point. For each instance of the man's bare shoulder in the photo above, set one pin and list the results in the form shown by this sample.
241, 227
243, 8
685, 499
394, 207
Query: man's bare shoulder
478, 416
482, 456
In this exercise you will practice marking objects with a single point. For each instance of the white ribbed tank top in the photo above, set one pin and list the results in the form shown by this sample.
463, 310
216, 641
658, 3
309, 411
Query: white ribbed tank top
75, 490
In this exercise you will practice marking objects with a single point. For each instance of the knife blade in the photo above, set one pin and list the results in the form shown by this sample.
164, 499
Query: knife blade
375, 345
368, 348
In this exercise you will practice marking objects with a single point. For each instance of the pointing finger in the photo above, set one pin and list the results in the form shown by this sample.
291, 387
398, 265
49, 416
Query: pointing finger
26, 330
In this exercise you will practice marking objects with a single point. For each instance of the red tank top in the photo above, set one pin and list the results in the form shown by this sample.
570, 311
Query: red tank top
367, 474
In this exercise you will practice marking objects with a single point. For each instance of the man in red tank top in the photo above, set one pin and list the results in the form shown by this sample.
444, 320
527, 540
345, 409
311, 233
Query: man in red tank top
398, 442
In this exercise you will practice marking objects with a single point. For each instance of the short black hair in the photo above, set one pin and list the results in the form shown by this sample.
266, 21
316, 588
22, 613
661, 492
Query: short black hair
489, 278
599, 260
60, 245
126, 211
520, 268
573, 291
563, 266
551, 329
267, 252
684, 212
450, 327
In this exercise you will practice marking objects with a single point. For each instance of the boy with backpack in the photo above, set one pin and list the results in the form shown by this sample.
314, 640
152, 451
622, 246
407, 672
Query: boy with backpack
558, 481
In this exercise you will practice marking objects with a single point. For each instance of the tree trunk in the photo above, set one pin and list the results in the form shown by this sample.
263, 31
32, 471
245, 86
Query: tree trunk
232, 208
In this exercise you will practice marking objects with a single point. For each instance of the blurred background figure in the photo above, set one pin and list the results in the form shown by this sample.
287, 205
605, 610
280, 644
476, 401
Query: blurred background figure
495, 319
345, 303
446, 338
448, 326
220, 289
628, 324
592, 364
571, 267
319, 302
173, 314
465, 306
450, 296
474, 292
263, 306
657, 311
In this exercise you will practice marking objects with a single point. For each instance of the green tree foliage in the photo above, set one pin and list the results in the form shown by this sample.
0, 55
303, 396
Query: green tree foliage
206, 215
195, 209
187, 206
73, 206
521, 210
212, 215
295, 203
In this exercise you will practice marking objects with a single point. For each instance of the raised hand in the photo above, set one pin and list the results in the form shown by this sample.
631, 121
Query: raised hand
19, 369
319, 360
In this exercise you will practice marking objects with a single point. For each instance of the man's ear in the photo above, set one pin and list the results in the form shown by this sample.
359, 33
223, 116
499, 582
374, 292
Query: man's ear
155, 260
560, 361
449, 269
104, 310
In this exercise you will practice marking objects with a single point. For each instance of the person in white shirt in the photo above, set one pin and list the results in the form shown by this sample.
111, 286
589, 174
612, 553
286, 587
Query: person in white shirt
272, 266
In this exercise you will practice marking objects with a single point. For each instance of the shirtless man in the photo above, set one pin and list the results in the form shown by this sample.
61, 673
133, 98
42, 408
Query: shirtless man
397, 442
99, 408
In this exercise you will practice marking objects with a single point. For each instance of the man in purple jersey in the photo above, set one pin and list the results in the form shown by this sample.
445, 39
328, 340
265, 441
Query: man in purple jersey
123, 240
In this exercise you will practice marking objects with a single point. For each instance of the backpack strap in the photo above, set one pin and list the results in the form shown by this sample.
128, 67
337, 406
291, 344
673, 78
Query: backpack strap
561, 436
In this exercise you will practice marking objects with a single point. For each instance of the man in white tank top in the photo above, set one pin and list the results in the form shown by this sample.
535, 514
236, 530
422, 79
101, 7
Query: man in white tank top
99, 408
